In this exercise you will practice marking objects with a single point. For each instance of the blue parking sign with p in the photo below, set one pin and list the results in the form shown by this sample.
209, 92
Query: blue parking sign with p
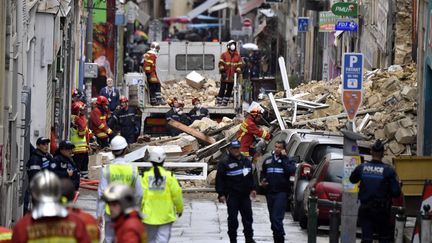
352, 71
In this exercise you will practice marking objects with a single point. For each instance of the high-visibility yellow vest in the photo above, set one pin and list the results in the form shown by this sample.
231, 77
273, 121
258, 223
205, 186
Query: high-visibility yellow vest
80, 143
121, 173
161, 202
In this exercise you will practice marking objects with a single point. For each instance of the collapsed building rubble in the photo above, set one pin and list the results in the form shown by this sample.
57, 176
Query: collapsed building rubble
185, 90
388, 111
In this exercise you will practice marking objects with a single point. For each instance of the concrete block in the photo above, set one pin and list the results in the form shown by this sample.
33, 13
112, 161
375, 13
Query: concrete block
406, 136
396, 148
195, 80
391, 84
406, 122
211, 178
380, 134
391, 129
409, 93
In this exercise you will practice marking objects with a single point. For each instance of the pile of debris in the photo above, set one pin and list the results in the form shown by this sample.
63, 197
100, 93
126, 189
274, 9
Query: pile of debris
388, 111
205, 89
203, 141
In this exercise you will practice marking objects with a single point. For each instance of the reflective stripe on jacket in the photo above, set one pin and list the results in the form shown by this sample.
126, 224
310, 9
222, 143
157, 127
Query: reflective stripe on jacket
230, 63
80, 142
161, 202
99, 123
5, 235
248, 129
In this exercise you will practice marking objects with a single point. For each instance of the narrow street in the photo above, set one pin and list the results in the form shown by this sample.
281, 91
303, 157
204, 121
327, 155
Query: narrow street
205, 220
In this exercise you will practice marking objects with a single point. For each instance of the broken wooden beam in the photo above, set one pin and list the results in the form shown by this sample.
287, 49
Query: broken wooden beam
191, 131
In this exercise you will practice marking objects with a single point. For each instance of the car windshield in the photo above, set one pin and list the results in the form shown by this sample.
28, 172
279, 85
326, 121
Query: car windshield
322, 149
334, 171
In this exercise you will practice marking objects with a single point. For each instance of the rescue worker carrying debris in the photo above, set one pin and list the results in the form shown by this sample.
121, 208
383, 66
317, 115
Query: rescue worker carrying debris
124, 213
68, 196
99, 116
126, 121
230, 63
162, 201
235, 186
378, 185
275, 174
80, 137
198, 112
151, 74
49, 221
119, 171
176, 114
249, 129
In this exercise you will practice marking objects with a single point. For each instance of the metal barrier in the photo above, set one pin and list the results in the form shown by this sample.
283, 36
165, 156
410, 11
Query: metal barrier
425, 229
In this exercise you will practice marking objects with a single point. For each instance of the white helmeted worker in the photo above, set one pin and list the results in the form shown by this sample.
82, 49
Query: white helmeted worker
119, 171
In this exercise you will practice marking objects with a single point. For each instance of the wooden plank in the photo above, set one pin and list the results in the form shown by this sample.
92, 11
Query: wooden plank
191, 131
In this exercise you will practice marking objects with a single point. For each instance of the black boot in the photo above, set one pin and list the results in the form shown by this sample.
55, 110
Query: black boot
233, 239
279, 239
153, 101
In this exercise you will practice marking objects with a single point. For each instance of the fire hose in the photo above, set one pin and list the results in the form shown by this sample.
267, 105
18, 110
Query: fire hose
89, 184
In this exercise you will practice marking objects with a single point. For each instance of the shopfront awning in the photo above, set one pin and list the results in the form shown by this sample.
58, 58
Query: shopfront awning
221, 6
249, 6
201, 8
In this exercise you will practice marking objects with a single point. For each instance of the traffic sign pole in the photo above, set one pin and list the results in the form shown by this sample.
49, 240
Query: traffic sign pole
352, 92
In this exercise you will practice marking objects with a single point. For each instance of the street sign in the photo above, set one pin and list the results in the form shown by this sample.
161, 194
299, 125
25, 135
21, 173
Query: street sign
90, 70
303, 24
352, 71
247, 22
327, 21
345, 9
347, 25
352, 83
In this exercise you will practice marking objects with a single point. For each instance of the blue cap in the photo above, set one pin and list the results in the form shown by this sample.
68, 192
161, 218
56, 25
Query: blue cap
235, 144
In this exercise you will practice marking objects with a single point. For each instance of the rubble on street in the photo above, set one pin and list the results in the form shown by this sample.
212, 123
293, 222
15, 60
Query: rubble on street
204, 89
388, 111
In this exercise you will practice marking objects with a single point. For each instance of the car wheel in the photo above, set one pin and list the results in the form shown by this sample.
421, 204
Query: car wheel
303, 220
295, 213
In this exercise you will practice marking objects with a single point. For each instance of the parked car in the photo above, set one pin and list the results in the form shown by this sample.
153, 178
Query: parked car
326, 180
311, 149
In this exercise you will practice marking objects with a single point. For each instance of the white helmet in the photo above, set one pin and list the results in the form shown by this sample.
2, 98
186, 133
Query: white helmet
121, 193
118, 143
157, 155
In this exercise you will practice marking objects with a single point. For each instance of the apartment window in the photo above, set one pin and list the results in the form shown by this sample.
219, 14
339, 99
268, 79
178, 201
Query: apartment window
195, 62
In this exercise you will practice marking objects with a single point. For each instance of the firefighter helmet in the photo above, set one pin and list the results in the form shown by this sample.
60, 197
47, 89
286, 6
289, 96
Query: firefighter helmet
77, 106
255, 111
102, 100
157, 155
45, 189
77, 93
123, 194
123, 99
118, 143
171, 101
155, 46
195, 100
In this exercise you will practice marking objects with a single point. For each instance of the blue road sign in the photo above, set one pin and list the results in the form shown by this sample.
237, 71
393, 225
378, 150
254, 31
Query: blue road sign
347, 25
352, 71
303, 24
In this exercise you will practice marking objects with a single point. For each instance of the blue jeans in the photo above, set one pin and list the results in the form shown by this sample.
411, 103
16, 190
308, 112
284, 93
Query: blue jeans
276, 204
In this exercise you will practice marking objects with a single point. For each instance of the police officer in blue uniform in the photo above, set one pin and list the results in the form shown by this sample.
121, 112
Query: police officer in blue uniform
63, 165
235, 187
378, 185
275, 174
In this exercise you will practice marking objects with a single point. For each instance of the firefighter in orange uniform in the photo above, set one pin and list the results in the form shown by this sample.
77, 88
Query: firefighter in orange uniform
5, 235
152, 78
49, 221
99, 116
68, 195
80, 137
249, 129
230, 63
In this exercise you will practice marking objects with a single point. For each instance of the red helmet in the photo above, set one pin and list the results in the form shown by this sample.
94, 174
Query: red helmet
171, 101
195, 100
102, 101
255, 111
123, 99
77, 106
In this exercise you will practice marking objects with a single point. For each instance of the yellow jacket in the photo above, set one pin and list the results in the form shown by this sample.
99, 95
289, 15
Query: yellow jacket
162, 202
